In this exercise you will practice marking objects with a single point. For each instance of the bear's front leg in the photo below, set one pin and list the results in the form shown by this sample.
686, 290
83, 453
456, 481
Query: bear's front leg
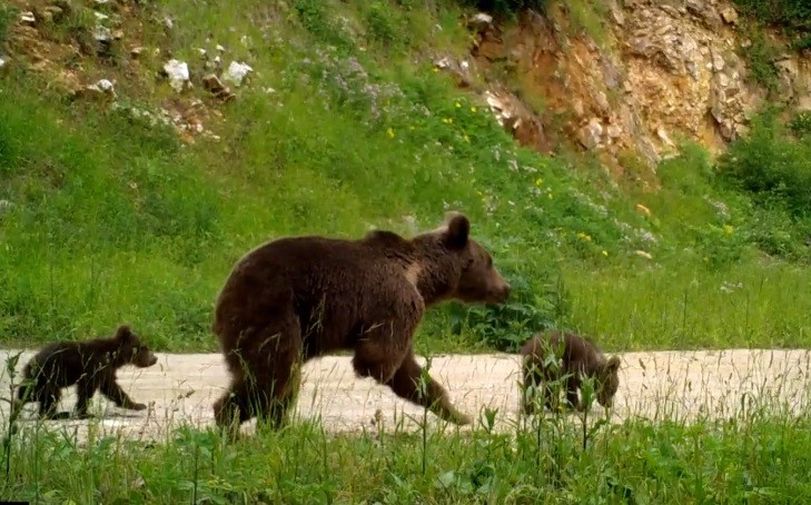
406, 383
109, 387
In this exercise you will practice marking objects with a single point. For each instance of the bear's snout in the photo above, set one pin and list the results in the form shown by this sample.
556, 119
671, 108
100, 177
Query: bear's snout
504, 292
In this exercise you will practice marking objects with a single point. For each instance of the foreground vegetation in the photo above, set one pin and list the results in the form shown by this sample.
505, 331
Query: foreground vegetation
763, 459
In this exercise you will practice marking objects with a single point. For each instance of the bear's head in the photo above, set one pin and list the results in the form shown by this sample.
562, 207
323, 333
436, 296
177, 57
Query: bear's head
479, 281
131, 350
609, 381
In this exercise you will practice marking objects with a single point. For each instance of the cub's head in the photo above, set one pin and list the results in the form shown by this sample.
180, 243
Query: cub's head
609, 381
478, 281
131, 350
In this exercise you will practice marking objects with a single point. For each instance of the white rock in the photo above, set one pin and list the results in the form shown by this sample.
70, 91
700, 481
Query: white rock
100, 16
27, 18
105, 85
168, 23
730, 15
237, 72
202, 52
2, 62
220, 48
102, 34
101, 2
178, 73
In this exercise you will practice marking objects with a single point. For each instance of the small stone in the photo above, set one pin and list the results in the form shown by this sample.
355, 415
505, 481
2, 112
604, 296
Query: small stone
730, 15
202, 52
718, 62
442, 63
52, 14
135, 52
100, 17
220, 48
178, 74
237, 72
642, 209
3, 62
480, 22
102, 34
103, 88
118, 34
643, 254
28, 18
591, 134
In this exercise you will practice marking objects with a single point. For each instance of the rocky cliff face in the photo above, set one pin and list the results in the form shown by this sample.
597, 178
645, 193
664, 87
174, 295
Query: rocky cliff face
664, 70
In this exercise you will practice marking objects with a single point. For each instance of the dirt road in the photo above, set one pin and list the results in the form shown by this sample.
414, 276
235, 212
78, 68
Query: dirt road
181, 388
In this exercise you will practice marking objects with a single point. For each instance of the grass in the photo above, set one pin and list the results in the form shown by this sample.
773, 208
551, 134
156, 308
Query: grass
756, 454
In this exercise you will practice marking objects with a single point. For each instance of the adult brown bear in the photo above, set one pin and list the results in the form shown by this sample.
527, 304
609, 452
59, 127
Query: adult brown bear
296, 298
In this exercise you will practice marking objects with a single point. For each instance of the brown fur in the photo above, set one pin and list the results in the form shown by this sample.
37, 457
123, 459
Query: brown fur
578, 359
297, 298
91, 365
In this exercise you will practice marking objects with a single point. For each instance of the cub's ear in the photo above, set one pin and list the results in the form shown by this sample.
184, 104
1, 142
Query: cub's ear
458, 230
613, 364
123, 333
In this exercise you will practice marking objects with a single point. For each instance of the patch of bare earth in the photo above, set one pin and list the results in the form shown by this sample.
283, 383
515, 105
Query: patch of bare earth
181, 388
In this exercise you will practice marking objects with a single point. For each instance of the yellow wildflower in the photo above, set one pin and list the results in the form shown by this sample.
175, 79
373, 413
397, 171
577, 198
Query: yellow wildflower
390, 133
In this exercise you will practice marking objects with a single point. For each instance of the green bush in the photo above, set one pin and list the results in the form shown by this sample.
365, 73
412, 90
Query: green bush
772, 166
534, 305
791, 14
7, 16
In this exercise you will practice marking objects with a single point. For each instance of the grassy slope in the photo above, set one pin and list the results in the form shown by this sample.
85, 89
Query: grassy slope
116, 221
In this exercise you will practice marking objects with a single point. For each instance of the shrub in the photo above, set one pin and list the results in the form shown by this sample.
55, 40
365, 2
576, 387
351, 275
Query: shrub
771, 166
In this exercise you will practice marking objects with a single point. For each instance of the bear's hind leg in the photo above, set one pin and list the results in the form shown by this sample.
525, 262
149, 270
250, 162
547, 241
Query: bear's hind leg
265, 369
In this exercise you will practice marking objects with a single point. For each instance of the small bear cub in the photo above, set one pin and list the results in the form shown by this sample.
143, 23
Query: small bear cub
91, 365
575, 360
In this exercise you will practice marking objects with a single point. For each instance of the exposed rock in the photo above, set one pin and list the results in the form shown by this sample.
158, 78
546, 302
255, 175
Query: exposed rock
3, 62
591, 135
517, 119
213, 85
460, 70
236, 73
102, 89
177, 73
52, 14
729, 15
480, 22
6, 206
136, 51
27, 18
102, 34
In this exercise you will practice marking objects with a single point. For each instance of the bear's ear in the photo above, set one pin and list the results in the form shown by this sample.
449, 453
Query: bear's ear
123, 333
613, 364
458, 231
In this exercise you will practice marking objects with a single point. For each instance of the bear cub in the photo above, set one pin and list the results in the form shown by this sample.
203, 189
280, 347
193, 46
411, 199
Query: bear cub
576, 360
91, 365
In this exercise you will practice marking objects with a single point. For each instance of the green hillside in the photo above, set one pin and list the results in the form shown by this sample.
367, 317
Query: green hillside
344, 125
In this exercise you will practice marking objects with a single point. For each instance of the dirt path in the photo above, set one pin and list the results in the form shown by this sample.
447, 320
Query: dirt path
181, 388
